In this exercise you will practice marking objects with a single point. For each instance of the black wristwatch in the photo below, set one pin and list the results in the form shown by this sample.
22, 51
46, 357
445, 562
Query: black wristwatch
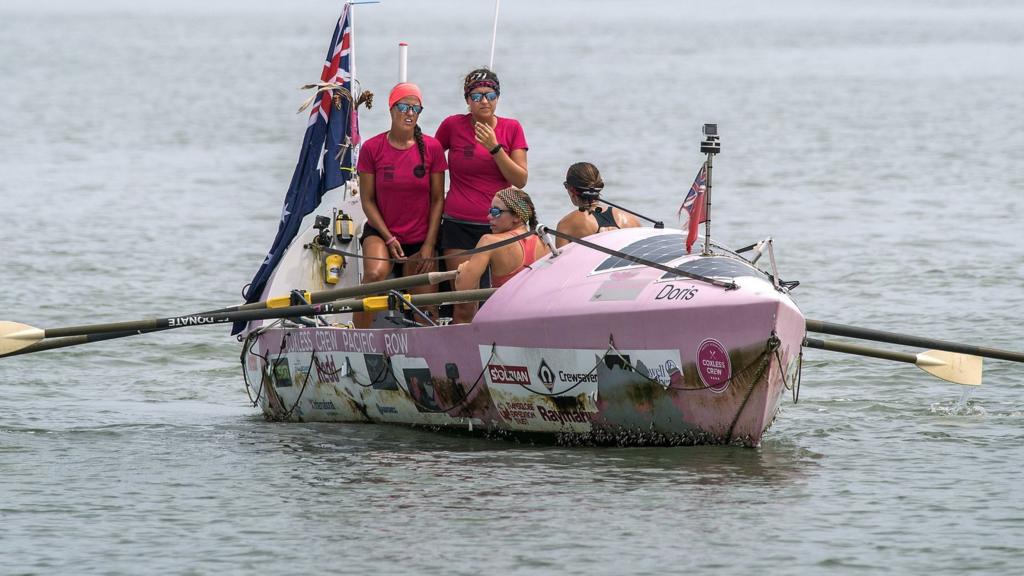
495, 150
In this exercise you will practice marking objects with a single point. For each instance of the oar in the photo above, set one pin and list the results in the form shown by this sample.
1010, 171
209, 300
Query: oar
51, 343
909, 340
957, 368
14, 336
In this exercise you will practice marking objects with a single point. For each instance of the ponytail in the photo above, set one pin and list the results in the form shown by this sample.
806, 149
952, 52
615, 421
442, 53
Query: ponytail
585, 181
421, 170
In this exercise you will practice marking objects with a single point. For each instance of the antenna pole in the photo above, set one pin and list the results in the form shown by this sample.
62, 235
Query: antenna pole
707, 209
711, 145
494, 33
403, 62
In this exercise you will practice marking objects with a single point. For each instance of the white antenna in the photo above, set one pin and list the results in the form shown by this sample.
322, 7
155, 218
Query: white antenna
494, 33
403, 62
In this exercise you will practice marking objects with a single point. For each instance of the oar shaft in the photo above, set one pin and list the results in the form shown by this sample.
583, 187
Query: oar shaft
357, 304
833, 346
909, 340
335, 307
458, 297
321, 297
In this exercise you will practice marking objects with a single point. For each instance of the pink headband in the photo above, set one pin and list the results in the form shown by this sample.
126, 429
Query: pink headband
402, 90
481, 83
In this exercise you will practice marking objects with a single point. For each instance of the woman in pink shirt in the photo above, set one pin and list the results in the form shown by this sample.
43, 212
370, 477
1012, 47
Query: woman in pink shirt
486, 153
401, 189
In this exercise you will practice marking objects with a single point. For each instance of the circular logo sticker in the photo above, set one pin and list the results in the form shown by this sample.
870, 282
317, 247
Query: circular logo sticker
713, 365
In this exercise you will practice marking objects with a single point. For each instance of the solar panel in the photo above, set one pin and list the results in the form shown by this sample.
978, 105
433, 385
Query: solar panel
715, 266
660, 249
668, 247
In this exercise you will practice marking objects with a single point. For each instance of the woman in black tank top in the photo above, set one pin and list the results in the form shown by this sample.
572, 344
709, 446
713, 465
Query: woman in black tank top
583, 183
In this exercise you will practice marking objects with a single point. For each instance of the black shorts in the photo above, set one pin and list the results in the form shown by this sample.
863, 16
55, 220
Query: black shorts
407, 249
459, 235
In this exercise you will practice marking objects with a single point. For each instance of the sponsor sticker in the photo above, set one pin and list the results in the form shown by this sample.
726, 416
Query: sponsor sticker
502, 374
327, 370
380, 373
713, 365
421, 387
322, 405
282, 373
565, 416
662, 372
520, 412
546, 375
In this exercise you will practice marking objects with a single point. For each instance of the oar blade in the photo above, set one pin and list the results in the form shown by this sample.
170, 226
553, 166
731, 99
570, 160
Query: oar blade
14, 336
950, 366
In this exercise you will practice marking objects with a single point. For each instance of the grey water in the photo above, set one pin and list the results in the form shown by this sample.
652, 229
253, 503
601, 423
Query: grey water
144, 152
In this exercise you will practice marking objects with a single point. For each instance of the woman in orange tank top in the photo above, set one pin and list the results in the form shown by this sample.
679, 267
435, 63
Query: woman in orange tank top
511, 214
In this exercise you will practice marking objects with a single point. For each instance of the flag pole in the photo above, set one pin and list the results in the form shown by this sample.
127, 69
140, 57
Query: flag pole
494, 33
356, 89
710, 146
352, 82
352, 45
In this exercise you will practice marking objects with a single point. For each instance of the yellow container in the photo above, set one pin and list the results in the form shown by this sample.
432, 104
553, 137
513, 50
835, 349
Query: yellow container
333, 265
343, 228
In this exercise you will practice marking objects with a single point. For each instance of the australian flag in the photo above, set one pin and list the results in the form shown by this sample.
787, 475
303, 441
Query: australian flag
694, 206
325, 159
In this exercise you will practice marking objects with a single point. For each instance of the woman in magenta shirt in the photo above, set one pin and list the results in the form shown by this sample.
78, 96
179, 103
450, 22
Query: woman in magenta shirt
486, 153
401, 189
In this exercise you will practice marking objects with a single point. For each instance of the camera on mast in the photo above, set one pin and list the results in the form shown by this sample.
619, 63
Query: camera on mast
710, 144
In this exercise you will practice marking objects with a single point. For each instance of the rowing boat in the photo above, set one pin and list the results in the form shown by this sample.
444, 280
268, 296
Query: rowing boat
582, 347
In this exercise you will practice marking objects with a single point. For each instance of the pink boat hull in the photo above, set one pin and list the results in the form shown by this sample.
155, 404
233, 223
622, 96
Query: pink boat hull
575, 349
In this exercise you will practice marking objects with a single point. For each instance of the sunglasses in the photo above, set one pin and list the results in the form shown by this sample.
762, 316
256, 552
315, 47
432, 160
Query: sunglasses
581, 189
403, 108
496, 212
478, 96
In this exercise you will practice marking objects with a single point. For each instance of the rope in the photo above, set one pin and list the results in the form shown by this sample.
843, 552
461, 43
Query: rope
772, 345
247, 349
320, 370
377, 379
459, 404
628, 364
312, 357
422, 408
764, 359
248, 343
799, 376
795, 385
643, 261
494, 354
